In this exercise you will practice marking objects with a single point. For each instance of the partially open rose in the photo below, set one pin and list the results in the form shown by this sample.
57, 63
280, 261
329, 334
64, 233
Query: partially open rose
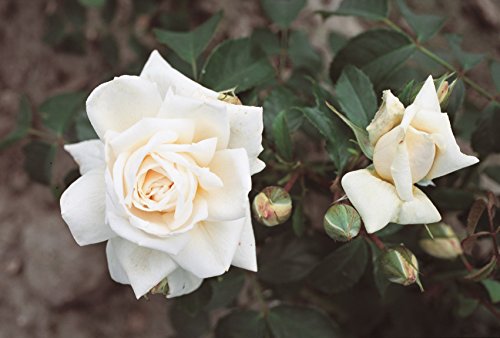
167, 182
412, 145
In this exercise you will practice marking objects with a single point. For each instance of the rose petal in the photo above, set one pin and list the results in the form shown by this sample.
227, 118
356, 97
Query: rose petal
245, 256
230, 201
427, 97
401, 173
118, 104
158, 70
375, 199
181, 282
385, 152
88, 155
422, 150
143, 267
83, 208
211, 119
211, 248
420, 210
115, 268
387, 117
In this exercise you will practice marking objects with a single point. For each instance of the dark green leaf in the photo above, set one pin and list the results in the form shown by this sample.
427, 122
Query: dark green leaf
287, 321
341, 269
241, 324
425, 26
378, 53
266, 40
24, 117
235, 64
451, 198
58, 111
226, 288
189, 45
493, 288
356, 96
466, 60
286, 259
189, 325
298, 221
466, 306
495, 74
92, 3
381, 281
281, 99
282, 136
370, 9
336, 41
282, 12
196, 301
456, 99
84, 130
335, 134
390, 229
39, 160
486, 138
302, 53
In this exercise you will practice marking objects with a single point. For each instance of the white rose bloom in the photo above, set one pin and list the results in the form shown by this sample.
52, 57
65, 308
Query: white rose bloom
167, 182
412, 145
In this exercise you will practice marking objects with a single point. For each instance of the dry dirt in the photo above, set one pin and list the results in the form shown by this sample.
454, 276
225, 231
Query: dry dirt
51, 287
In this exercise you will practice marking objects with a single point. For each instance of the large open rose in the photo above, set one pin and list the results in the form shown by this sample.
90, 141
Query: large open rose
167, 182
412, 145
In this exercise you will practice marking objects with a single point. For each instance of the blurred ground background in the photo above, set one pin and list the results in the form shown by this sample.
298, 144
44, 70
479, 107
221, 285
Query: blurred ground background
49, 286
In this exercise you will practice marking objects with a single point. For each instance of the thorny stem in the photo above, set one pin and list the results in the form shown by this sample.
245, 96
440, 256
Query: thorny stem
289, 185
474, 85
467, 264
377, 241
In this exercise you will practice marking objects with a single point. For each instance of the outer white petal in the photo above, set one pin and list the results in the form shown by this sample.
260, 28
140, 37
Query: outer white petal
181, 282
88, 154
387, 117
246, 132
231, 200
83, 207
158, 70
427, 97
114, 266
245, 256
420, 210
143, 267
375, 199
401, 173
211, 248
210, 117
121, 102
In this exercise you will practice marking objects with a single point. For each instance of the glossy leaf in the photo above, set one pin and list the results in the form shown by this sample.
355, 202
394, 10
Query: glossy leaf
282, 137
236, 64
58, 111
241, 324
226, 288
302, 54
370, 9
189, 325
467, 60
23, 124
282, 12
493, 288
356, 96
425, 26
341, 269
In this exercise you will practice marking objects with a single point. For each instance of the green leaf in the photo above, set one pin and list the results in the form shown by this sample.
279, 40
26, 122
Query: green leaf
38, 161
356, 96
266, 40
425, 26
493, 288
466, 60
24, 118
282, 12
302, 54
287, 321
341, 269
486, 138
235, 64
378, 53
495, 74
336, 42
84, 130
466, 306
361, 134
451, 198
381, 281
286, 259
281, 99
92, 3
336, 136
370, 9
189, 325
195, 302
298, 220
189, 45
241, 324
58, 111
226, 288
282, 137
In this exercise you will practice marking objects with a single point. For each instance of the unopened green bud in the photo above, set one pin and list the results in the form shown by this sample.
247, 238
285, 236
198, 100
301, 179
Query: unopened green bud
160, 288
400, 266
342, 222
439, 240
272, 206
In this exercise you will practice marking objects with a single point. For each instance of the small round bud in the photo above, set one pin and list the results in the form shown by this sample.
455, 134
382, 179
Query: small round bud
160, 288
440, 241
400, 266
272, 206
342, 222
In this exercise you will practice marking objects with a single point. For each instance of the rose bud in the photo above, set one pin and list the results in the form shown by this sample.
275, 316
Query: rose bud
272, 206
444, 242
400, 266
342, 222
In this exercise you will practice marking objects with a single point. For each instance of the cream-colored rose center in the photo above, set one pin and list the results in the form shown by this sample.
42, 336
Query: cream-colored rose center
420, 148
